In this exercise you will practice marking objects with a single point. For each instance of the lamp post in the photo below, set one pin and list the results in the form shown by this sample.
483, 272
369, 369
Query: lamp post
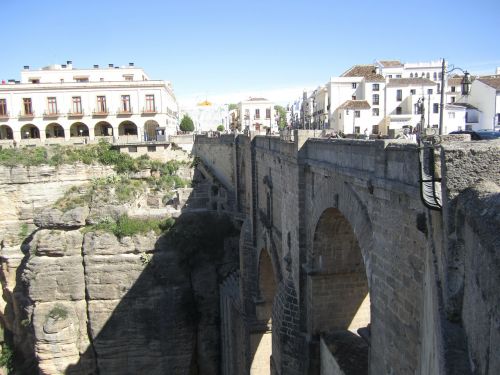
466, 85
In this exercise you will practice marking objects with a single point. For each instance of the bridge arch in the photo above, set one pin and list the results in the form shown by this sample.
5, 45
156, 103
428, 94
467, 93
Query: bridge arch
338, 285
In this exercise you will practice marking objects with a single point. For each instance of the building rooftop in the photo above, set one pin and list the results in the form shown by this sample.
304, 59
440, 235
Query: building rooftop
391, 63
369, 72
398, 82
466, 105
492, 81
355, 104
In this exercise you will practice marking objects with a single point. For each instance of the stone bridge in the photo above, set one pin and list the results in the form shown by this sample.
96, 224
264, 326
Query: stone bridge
344, 270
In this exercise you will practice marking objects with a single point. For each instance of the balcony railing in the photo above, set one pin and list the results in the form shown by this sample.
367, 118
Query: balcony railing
100, 112
124, 111
72, 113
52, 114
23, 114
5, 115
149, 110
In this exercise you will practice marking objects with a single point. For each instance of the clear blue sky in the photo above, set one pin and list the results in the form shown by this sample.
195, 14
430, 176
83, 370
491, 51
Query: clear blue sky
227, 46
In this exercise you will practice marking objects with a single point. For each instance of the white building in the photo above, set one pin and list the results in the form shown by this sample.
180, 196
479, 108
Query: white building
60, 103
485, 96
257, 114
355, 101
207, 116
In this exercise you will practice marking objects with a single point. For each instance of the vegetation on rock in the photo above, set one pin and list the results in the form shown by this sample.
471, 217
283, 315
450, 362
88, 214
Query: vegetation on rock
127, 226
186, 124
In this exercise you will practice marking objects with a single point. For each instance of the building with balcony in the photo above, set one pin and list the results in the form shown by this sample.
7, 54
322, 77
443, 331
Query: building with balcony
485, 97
63, 104
257, 114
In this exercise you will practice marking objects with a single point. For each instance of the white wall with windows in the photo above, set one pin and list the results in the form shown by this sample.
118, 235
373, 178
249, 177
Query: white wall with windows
257, 114
48, 109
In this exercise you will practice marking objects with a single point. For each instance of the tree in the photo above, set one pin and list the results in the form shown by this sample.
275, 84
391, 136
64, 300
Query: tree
233, 106
220, 128
187, 124
282, 116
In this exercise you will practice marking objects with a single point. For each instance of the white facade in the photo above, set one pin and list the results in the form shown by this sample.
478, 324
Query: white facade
208, 116
485, 95
257, 114
58, 103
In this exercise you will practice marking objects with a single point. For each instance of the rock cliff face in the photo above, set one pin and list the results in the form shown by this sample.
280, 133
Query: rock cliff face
87, 302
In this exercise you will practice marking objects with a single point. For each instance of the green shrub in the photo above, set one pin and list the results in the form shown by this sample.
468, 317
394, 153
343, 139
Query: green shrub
23, 231
220, 128
187, 124
7, 358
58, 313
127, 226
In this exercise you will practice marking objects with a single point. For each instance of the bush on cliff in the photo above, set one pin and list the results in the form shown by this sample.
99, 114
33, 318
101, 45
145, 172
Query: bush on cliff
127, 226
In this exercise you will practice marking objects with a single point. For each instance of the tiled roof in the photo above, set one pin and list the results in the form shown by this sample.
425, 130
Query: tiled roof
257, 99
466, 105
355, 104
369, 72
492, 81
396, 82
391, 63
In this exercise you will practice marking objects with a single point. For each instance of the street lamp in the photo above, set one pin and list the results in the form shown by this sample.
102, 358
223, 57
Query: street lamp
466, 86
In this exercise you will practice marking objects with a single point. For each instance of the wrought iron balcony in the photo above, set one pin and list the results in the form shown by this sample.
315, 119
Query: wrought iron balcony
51, 114
124, 111
24, 114
72, 113
100, 112
149, 110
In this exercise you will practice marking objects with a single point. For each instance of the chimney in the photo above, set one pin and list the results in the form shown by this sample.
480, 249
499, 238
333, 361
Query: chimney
69, 62
117, 67
63, 66
96, 66
26, 67
130, 64
110, 65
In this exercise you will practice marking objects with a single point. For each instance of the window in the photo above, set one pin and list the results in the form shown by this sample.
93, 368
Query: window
82, 79
375, 87
375, 99
129, 77
417, 109
356, 129
34, 80
453, 89
151, 148
257, 113
452, 99
125, 104
430, 91
354, 85
101, 104
451, 114
77, 104
3, 107
247, 114
498, 118
389, 76
435, 76
150, 103
468, 127
357, 114
27, 106
132, 148
375, 129
354, 97
427, 75
51, 105
399, 95
398, 75
435, 108
411, 75
268, 113
375, 111
399, 111
413, 92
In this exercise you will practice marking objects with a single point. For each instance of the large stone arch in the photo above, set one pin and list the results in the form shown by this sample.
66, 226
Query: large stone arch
30, 131
79, 129
127, 128
103, 129
261, 335
54, 130
6, 132
338, 285
150, 127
